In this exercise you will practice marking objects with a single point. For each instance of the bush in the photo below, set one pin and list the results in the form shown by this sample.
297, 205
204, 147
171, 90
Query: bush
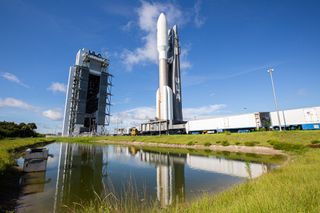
237, 143
225, 143
207, 144
315, 142
286, 146
251, 143
190, 143
11, 129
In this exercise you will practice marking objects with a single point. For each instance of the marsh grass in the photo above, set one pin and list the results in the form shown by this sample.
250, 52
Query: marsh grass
130, 199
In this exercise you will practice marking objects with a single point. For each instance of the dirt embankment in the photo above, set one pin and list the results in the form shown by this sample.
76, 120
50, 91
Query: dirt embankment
231, 148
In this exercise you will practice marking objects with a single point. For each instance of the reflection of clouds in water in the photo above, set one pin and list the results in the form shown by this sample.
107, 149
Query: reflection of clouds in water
122, 155
54, 151
227, 167
172, 177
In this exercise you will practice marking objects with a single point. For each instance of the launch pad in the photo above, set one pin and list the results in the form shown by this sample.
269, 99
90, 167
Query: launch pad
162, 127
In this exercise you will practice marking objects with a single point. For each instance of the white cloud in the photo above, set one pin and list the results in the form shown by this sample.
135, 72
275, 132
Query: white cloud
16, 103
127, 26
147, 22
11, 77
136, 116
184, 63
57, 87
198, 19
52, 114
202, 111
132, 117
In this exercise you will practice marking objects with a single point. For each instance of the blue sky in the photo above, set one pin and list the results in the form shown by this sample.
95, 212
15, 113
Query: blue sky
227, 46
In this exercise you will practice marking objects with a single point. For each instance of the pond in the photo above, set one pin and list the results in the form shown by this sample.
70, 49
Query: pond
79, 173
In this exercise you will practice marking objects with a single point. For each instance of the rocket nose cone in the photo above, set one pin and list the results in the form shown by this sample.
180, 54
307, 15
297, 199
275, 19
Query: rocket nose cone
162, 30
162, 21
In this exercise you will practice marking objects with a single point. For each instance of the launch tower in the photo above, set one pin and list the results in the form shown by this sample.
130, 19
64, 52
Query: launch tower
88, 98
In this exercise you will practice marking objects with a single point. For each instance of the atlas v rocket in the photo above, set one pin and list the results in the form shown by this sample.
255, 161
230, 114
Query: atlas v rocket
169, 103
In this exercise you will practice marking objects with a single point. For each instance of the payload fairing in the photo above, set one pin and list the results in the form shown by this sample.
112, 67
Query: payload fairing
169, 103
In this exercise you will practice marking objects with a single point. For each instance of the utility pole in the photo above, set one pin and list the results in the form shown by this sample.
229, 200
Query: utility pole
275, 97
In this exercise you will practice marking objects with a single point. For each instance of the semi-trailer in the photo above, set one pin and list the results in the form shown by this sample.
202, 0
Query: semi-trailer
235, 123
302, 118
307, 118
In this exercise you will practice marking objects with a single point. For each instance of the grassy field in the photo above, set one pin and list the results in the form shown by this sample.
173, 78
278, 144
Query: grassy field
287, 140
301, 137
293, 188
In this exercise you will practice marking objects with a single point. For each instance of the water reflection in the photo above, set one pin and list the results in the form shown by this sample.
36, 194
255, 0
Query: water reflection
80, 173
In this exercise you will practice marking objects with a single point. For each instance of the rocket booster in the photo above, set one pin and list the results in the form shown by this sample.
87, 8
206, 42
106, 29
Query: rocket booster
164, 93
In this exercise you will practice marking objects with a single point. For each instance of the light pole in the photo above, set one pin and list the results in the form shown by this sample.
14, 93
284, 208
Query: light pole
275, 97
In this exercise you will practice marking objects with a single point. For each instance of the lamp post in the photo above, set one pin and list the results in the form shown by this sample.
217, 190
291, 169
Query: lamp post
275, 97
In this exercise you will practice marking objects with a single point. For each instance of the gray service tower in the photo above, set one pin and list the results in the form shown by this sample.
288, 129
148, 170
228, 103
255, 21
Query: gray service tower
88, 98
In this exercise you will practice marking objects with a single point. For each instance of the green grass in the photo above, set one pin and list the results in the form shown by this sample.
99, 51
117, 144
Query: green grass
9, 147
294, 187
263, 138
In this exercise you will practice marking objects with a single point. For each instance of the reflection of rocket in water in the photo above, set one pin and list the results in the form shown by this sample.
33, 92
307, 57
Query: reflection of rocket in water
170, 182
169, 105
170, 176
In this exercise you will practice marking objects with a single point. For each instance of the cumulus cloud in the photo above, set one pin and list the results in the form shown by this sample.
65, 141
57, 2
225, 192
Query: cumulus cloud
132, 117
198, 19
11, 77
16, 103
147, 22
127, 26
57, 87
136, 116
202, 111
52, 114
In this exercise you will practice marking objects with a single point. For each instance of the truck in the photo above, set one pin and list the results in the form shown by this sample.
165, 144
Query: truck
307, 118
234, 123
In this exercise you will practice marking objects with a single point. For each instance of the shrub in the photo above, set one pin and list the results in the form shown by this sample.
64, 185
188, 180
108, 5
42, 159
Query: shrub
286, 146
315, 142
207, 144
190, 143
237, 143
225, 143
251, 143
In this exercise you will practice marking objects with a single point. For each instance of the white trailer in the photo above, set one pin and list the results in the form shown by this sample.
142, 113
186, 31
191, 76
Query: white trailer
244, 122
302, 118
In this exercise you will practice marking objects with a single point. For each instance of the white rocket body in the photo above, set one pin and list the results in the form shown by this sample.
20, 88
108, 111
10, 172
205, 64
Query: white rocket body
164, 93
